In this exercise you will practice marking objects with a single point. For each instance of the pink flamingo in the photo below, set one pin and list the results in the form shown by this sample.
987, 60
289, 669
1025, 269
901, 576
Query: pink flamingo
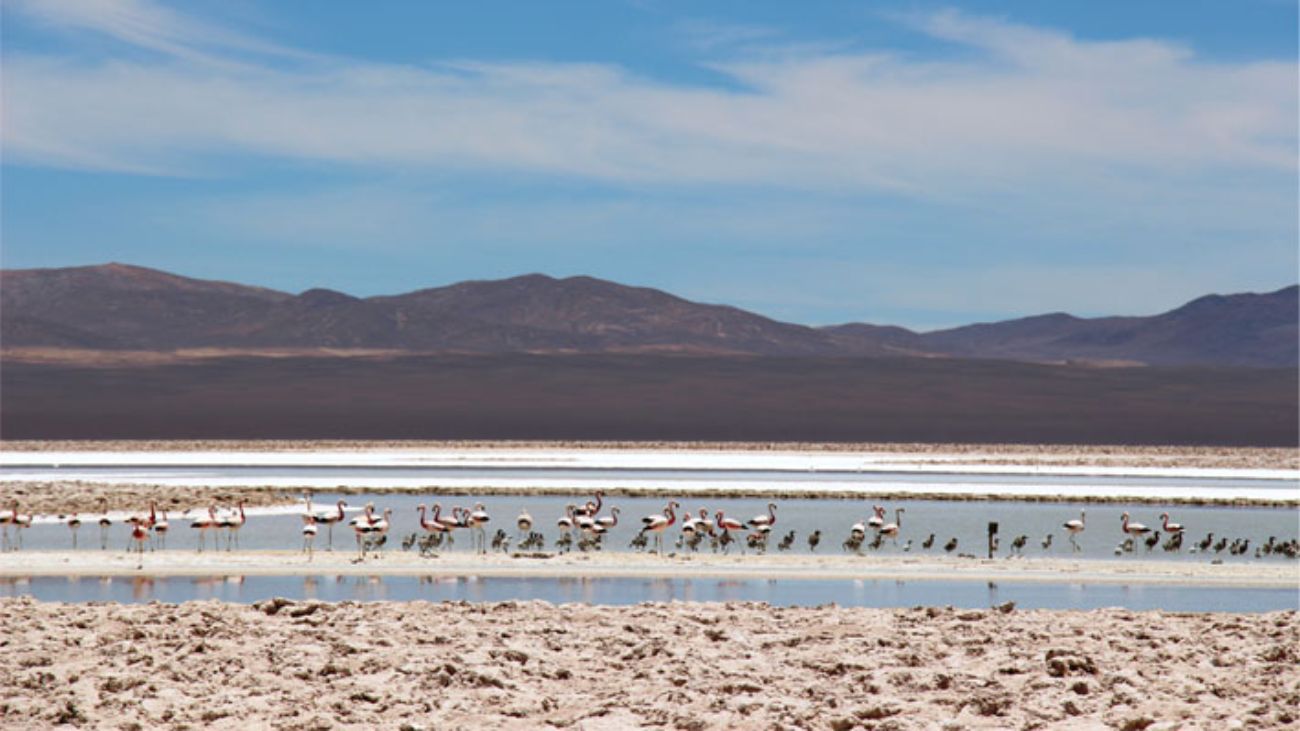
1133, 529
1171, 527
204, 525
658, 522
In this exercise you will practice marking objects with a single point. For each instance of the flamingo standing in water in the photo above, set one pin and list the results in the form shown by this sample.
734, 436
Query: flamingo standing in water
890, 530
605, 522
7, 518
232, 524
765, 521
435, 525
73, 524
1074, 527
1133, 529
204, 526
328, 518
524, 522
21, 523
104, 523
658, 522
361, 525
1171, 527
139, 536
309, 530
160, 528
877, 519
477, 519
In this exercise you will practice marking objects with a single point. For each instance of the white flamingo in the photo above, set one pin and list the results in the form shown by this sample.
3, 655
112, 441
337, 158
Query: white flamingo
1075, 527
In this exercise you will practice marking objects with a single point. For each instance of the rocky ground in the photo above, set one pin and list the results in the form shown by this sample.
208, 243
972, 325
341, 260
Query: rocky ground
690, 666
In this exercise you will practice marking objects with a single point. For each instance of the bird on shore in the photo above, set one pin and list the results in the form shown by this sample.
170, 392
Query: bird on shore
951, 545
1019, 543
928, 542
606, 522
524, 522
1075, 527
1047, 542
476, 520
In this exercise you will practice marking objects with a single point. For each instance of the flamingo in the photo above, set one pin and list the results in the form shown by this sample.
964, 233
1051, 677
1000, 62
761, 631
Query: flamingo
1074, 527
328, 519
604, 523
704, 522
566, 521
160, 528
524, 522
21, 522
431, 526
476, 520
104, 523
768, 520
232, 523
73, 524
891, 529
1171, 527
361, 524
309, 530
658, 522
877, 518
376, 532
139, 535
730, 524
7, 517
203, 525
1133, 529
592, 508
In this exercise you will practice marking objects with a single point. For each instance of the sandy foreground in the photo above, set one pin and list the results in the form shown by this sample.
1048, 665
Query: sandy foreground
638, 565
528, 665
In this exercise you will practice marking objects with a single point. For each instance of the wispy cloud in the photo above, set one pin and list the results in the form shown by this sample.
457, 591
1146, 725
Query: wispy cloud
1031, 104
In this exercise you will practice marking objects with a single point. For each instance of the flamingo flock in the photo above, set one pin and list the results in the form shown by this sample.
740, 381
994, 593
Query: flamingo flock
585, 526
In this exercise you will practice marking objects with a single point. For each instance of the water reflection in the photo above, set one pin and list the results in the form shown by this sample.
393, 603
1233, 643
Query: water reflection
596, 590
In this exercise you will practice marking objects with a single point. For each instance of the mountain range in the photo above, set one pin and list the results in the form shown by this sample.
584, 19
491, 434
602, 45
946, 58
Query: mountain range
118, 307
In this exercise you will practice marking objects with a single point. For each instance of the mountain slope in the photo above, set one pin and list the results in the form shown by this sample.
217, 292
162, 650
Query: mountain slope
120, 307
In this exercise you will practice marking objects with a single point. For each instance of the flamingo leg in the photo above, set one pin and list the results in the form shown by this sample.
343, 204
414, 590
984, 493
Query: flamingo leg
103, 538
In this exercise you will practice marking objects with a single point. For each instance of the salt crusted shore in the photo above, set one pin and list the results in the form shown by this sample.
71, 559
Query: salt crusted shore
209, 665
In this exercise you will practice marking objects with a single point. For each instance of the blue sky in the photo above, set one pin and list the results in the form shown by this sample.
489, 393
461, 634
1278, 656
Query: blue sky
915, 163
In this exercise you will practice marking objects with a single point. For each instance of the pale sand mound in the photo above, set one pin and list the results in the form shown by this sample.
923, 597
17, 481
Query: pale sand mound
692, 666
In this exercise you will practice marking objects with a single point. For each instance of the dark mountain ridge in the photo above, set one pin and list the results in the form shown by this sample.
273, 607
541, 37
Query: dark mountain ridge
122, 307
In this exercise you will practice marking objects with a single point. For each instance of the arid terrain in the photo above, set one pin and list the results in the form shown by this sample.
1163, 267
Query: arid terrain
650, 398
690, 666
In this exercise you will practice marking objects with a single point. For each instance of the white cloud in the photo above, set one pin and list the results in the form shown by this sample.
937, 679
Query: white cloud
1036, 107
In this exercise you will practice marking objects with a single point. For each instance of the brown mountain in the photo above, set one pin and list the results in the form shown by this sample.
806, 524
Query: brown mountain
120, 307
